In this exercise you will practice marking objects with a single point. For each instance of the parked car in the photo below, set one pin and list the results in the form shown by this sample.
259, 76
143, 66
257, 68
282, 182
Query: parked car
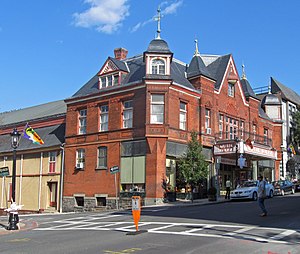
249, 190
297, 185
283, 187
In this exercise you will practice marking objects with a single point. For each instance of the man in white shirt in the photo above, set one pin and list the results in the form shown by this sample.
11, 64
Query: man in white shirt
228, 187
262, 195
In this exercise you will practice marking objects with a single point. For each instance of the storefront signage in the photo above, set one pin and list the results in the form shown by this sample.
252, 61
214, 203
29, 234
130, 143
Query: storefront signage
262, 152
224, 148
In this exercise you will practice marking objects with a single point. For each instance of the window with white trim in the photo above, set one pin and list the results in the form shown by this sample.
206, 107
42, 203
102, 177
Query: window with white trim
127, 114
266, 136
80, 156
158, 66
104, 118
109, 80
82, 121
52, 161
157, 109
207, 118
230, 90
182, 116
221, 125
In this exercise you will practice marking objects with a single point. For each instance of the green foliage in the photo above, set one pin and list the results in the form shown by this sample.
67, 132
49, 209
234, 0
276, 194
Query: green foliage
296, 120
192, 166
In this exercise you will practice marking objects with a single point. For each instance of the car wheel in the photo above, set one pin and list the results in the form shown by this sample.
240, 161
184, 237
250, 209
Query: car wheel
254, 196
282, 192
271, 194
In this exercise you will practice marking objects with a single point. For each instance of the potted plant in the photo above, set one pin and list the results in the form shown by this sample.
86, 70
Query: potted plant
212, 194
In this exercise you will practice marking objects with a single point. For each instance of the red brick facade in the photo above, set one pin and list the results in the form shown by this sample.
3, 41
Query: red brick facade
92, 181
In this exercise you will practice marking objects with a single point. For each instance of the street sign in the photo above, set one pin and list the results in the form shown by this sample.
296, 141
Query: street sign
4, 171
114, 169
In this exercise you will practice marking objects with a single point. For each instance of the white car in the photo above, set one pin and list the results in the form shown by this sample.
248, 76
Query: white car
248, 190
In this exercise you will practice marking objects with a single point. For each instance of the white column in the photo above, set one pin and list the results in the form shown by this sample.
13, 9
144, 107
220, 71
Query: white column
40, 181
21, 179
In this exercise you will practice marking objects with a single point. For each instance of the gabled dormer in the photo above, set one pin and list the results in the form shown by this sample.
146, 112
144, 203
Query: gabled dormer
114, 70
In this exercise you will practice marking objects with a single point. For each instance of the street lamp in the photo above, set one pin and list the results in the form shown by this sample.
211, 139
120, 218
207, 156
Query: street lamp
13, 216
15, 136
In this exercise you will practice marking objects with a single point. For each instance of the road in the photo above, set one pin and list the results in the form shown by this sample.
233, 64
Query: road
233, 227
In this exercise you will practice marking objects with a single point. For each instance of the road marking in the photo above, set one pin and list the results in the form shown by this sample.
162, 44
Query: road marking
242, 230
283, 234
225, 231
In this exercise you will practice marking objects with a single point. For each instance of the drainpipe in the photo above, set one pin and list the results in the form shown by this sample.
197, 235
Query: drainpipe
62, 147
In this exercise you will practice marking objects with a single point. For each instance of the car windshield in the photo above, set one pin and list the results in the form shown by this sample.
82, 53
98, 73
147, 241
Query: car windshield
249, 184
278, 183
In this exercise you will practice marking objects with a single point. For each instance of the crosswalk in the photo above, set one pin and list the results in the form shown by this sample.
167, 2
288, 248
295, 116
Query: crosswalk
115, 222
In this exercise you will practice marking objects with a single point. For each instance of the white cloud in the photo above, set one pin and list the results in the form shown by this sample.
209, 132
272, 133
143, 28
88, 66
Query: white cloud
105, 15
171, 8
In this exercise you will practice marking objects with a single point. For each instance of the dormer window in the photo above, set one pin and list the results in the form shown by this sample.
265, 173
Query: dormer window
158, 67
109, 80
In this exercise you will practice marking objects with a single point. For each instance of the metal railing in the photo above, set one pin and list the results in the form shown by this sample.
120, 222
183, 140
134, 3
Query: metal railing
243, 135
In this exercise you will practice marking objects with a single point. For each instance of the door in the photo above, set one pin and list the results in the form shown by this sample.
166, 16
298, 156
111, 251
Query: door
52, 194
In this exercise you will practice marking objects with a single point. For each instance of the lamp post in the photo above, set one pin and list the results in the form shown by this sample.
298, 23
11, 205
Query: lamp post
13, 213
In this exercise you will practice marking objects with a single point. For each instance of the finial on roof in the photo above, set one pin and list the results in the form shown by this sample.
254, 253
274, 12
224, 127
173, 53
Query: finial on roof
269, 88
158, 18
243, 70
196, 50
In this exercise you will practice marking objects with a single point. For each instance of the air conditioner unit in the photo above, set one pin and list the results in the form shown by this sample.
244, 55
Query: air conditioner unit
80, 165
208, 131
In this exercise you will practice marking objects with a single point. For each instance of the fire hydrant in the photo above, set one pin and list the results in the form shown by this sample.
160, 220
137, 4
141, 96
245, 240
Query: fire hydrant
13, 220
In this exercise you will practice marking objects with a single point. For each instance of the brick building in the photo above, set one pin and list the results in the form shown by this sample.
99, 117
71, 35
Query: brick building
137, 113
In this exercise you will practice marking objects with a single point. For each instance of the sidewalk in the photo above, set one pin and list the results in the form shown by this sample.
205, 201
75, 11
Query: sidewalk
27, 224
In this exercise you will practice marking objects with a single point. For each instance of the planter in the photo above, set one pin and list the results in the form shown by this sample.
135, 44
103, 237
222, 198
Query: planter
171, 196
212, 197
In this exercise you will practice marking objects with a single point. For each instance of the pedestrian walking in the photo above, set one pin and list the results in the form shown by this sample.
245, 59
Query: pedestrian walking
228, 188
262, 195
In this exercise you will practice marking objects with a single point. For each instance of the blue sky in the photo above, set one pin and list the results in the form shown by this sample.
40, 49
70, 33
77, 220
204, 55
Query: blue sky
49, 49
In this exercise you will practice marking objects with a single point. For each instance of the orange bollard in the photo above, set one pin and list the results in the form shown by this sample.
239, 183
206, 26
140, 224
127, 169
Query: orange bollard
136, 210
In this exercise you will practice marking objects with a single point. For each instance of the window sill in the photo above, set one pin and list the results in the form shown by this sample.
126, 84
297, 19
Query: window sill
101, 168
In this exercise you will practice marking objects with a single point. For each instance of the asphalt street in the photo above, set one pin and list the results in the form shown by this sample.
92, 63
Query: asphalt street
232, 227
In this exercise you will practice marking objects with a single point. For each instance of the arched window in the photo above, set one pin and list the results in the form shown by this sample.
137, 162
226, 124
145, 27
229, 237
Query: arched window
158, 66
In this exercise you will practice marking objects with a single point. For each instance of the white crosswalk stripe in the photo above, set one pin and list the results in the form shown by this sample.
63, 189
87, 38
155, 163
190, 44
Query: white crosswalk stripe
227, 231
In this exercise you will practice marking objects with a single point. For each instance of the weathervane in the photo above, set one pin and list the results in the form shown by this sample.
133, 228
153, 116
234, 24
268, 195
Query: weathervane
158, 18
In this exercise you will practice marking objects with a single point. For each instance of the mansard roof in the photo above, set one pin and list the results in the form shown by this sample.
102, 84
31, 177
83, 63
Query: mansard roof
39, 112
158, 46
217, 68
286, 93
52, 136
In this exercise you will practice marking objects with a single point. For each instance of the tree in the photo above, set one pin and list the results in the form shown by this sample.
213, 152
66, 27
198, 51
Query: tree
296, 121
192, 166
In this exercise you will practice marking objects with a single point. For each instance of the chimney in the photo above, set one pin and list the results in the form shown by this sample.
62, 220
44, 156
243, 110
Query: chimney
120, 53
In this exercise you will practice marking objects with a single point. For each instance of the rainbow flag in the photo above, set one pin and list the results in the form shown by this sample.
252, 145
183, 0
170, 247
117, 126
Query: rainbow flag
30, 134
291, 149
